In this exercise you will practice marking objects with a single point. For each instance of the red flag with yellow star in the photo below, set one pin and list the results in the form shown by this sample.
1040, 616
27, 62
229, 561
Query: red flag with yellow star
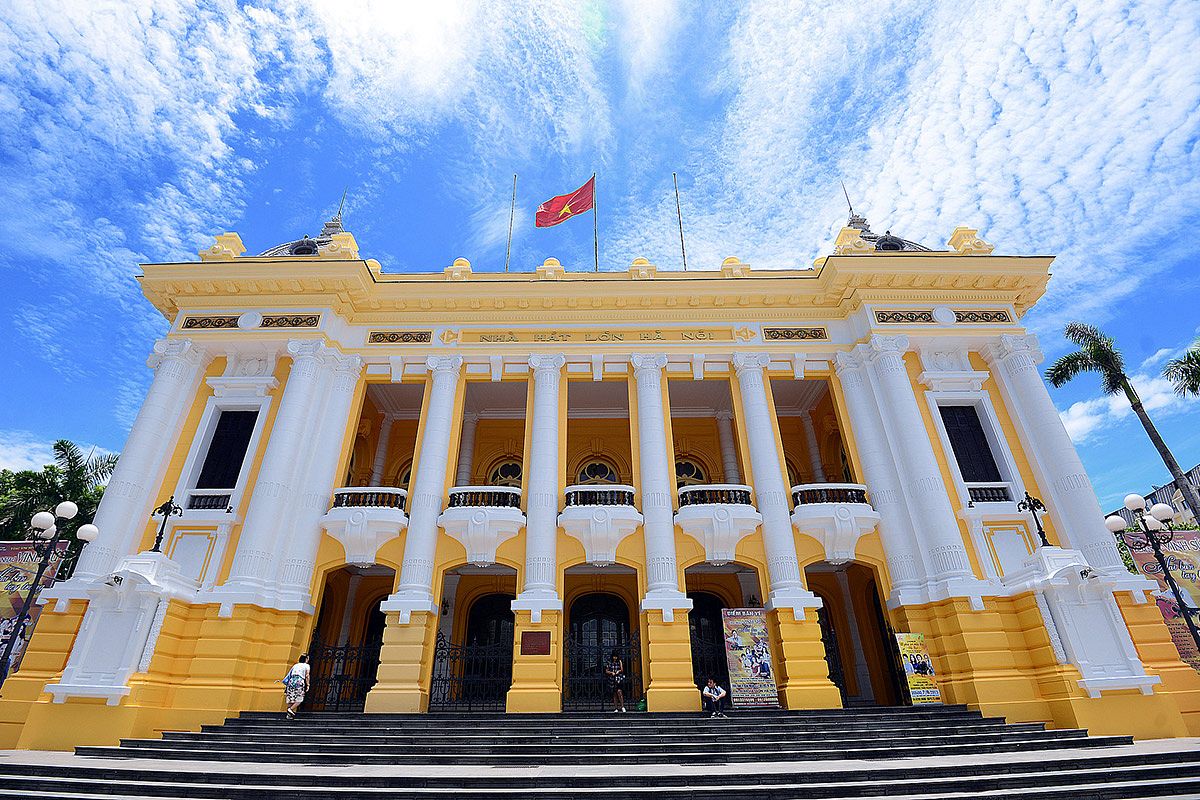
562, 208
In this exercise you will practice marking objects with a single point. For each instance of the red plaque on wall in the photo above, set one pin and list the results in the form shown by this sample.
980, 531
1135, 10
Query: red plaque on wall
535, 643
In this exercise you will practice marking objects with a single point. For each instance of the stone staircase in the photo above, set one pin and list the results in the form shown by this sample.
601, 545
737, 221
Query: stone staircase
912, 753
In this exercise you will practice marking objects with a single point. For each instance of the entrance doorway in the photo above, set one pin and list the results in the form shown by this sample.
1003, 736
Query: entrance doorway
599, 626
855, 633
476, 673
344, 651
708, 639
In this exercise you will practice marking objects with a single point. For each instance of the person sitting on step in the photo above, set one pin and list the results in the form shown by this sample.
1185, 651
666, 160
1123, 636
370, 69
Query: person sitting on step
714, 698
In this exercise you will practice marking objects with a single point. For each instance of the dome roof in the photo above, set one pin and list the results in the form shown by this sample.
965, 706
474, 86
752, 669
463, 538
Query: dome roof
305, 246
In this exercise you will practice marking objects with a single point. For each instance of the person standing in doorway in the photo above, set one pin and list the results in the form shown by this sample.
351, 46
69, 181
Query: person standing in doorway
295, 685
615, 671
714, 698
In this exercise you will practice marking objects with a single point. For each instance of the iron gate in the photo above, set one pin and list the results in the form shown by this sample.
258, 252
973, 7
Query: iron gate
340, 677
709, 660
587, 685
833, 651
471, 677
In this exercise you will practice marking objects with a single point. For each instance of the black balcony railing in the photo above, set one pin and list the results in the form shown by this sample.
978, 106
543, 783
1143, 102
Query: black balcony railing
828, 493
600, 495
714, 494
369, 497
989, 494
485, 497
208, 502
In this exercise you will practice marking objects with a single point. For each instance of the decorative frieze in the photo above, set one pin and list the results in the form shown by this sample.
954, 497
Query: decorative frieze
291, 320
795, 334
922, 317
943, 315
982, 317
400, 337
210, 322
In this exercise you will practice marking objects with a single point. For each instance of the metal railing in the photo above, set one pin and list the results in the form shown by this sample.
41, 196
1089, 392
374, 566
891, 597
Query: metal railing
809, 493
989, 493
714, 494
600, 494
485, 497
369, 497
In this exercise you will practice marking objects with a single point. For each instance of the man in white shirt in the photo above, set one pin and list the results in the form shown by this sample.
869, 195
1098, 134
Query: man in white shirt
714, 698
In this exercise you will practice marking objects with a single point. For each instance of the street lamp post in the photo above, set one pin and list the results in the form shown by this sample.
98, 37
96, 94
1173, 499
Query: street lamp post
46, 537
1035, 507
166, 510
1155, 532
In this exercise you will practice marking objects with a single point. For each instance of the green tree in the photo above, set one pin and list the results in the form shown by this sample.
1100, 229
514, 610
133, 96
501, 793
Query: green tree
72, 476
1098, 353
1184, 373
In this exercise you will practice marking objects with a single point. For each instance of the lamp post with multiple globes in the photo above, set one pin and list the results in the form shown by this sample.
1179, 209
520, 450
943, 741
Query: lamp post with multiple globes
1154, 532
46, 537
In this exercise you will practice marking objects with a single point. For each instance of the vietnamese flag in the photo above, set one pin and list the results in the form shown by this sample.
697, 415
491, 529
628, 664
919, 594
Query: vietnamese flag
562, 208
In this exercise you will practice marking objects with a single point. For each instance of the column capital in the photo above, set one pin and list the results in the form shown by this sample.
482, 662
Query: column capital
724, 415
648, 362
845, 360
176, 350
1009, 344
471, 416
444, 364
348, 364
305, 348
884, 345
547, 362
750, 361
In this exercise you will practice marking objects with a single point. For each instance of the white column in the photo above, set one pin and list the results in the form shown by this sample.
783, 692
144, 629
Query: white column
129, 498
381, 450
814, 449
540, 592
729, 461
275, 492
1072, 501
466, 449
879, 472
299, 546
415, 592
783, 568
938, 534
656, 462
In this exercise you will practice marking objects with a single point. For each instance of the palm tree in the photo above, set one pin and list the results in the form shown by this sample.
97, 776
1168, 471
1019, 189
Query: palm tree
72, 476
1098, 353
1184, 371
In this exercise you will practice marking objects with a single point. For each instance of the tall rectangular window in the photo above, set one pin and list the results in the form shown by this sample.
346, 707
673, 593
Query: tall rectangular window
971, 448
227, 450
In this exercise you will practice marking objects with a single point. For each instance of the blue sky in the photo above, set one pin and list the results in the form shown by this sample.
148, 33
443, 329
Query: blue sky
136, 130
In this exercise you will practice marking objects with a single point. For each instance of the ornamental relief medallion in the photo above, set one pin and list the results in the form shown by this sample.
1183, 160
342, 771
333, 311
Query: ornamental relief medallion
794, 334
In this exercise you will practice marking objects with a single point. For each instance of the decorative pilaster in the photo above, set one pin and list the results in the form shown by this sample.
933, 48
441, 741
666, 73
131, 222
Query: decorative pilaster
178, 365
1072, 501
540, 592
786, 587
415, 590
939, 537
466, 449
381, 450
814, 449
656, 464
729, 460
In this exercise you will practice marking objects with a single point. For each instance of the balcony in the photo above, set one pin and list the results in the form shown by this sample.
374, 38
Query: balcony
363, 518
210, 500
718, 516
835, 514
989, 492
481, 518
600, 516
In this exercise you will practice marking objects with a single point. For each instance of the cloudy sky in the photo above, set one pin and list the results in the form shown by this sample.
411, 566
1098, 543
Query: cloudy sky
134, 130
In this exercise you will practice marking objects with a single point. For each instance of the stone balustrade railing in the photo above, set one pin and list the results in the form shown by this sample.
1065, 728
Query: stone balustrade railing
811, 493
607, 494
369, 497
714, 494
485, 497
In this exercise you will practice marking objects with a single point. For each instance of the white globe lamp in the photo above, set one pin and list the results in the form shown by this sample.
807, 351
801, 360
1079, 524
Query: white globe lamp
1116, 524
1162, 512
87, 533
42, 520
1135, 502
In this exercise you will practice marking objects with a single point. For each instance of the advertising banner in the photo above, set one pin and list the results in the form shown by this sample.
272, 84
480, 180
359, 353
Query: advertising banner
748, 652
1183, 557
918, 668
18, 565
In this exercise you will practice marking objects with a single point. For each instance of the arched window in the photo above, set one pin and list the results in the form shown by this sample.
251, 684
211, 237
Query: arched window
689, 472
506, 472
598, 469
404, 476
792, 473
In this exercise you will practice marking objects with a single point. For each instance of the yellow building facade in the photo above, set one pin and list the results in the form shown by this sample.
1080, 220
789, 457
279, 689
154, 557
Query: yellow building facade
466, 490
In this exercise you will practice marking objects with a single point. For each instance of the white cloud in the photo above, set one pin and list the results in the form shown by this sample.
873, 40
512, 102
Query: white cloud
645, 32
1160, 356
1098, 416
22, 450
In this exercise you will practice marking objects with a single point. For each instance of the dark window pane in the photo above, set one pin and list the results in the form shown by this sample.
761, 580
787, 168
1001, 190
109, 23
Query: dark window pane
970, 444
227, 450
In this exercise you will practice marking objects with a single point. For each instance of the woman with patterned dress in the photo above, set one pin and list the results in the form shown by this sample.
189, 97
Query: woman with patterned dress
295, 685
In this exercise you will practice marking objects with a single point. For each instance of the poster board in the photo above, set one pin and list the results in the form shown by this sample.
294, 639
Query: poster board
748, 654
1183, 557
918, 669
18, 565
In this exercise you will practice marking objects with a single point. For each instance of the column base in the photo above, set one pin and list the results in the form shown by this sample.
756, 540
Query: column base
802, 673
406, 603
538, 603
671, 685
666, 603
405, 664
537, 677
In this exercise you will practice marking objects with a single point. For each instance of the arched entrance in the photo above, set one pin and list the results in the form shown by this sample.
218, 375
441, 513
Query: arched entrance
854, 630
472, 659
344, 650
708, 639
598, 626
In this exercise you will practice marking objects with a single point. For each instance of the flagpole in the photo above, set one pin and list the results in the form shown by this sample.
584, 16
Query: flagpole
511, 212
595, 226
679, 214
